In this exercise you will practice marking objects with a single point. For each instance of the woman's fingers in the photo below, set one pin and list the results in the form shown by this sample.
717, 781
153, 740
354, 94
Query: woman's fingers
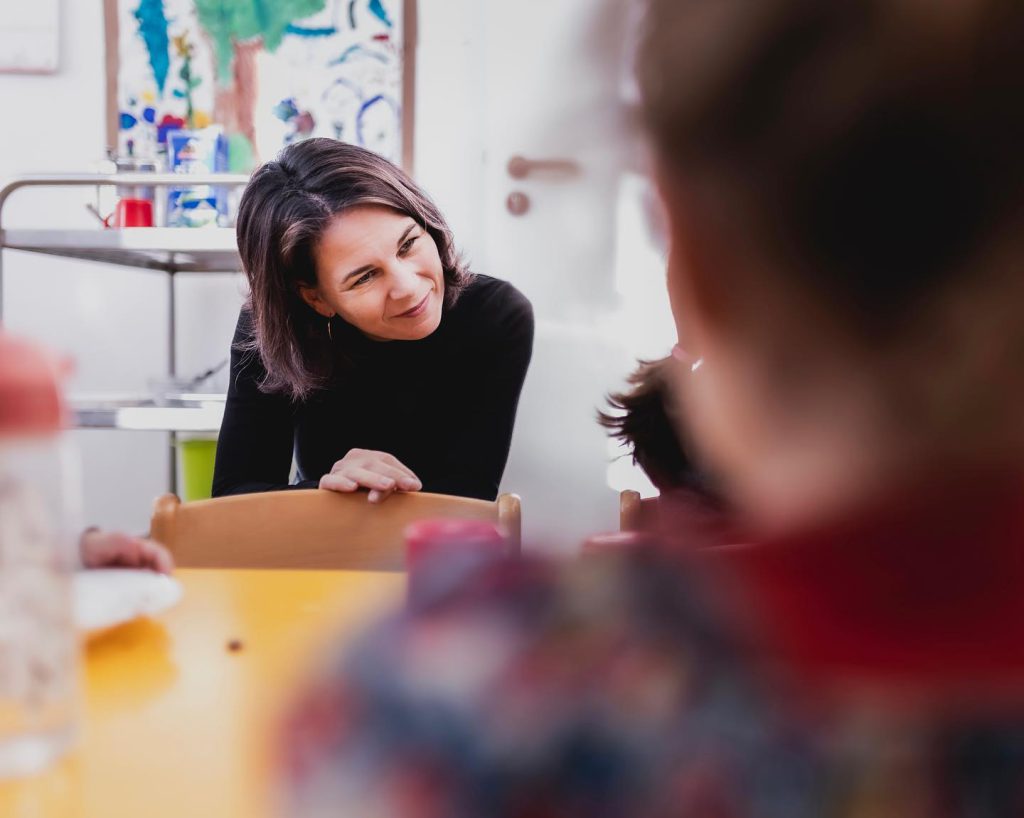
370, 459
371, 478
394, 462
404, 479
377, 496
338, 481
379, 472
356, 477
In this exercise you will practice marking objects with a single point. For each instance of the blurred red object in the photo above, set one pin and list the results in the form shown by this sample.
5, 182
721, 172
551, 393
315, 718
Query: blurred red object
30, 398
441, 553
919, 592
131, 213
426, 539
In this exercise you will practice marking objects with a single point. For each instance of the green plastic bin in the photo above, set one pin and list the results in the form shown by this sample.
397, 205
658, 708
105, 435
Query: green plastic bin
197, 458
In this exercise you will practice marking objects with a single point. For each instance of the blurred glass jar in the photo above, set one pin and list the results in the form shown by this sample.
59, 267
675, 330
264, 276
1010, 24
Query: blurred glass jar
39, 527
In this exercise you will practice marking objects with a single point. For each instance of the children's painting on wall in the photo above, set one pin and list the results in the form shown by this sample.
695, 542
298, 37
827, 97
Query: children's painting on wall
257, 75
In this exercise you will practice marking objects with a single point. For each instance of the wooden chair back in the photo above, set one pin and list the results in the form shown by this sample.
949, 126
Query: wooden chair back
310, 528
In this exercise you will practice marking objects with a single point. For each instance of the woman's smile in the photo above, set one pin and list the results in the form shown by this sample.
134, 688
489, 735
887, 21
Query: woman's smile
417, 310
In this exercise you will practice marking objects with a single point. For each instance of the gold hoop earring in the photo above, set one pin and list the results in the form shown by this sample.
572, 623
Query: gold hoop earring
329, 336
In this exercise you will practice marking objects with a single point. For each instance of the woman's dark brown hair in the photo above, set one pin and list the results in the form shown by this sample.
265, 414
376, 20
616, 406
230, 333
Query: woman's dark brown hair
284, 211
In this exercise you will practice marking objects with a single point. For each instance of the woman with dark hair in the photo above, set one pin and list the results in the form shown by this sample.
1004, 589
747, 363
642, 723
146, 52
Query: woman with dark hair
365, 347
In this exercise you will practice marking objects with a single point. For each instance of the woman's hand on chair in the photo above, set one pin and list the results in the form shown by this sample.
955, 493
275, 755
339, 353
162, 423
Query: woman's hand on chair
379, 472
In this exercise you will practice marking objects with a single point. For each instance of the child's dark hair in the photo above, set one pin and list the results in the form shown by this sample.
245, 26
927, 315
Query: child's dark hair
643, 419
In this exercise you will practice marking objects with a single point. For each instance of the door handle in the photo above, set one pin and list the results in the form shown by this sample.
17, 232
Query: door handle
519, 167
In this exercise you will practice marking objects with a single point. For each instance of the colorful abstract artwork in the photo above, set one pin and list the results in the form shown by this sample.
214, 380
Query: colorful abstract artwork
267, 73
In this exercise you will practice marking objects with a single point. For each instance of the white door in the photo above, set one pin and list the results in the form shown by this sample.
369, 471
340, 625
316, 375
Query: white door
551, 80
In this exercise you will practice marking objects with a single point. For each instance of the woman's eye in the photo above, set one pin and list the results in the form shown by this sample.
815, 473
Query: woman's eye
407, 246
365, 277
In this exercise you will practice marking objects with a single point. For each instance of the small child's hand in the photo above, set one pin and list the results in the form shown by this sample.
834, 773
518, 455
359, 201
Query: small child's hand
114, 549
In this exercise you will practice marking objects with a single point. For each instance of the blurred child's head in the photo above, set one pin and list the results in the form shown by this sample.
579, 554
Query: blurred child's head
844, 185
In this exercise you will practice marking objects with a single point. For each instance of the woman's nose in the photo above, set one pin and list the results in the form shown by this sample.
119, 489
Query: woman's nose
403, 282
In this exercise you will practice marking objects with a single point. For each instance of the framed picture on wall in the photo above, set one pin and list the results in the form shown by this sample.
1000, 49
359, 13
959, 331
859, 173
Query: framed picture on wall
261, 74
30, 37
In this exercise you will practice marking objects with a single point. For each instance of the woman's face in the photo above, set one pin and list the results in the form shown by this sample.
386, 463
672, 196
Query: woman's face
380, 272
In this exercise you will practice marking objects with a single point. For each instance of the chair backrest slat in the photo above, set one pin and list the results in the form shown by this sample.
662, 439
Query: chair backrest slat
310, 528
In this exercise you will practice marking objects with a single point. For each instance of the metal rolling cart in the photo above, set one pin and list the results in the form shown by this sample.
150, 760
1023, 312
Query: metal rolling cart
172, 250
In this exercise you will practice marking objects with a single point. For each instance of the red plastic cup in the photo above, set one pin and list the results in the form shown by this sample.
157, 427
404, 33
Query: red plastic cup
133, 213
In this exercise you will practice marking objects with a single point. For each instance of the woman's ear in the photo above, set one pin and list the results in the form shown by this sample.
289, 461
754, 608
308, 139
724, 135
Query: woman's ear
311, 295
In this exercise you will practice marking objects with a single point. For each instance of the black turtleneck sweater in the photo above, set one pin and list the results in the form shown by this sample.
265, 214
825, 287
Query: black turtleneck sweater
444, 405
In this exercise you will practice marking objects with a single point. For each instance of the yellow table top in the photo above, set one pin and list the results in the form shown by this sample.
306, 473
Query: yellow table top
174, 722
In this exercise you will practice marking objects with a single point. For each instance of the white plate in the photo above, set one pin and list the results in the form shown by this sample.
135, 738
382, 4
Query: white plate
105, 597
